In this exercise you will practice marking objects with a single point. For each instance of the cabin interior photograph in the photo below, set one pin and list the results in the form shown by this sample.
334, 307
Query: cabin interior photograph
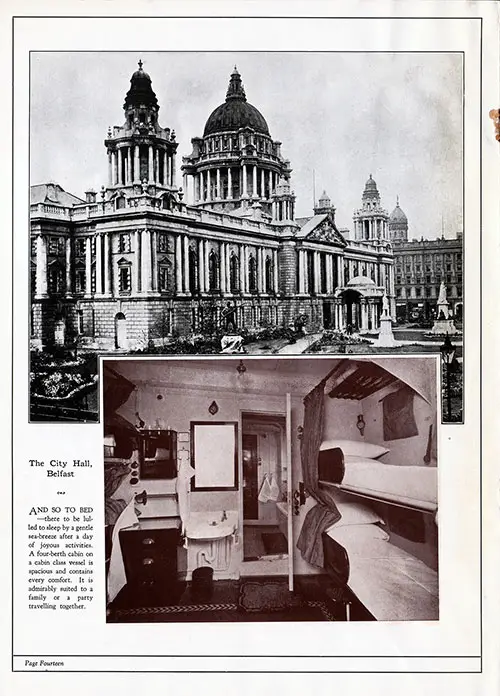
271, 489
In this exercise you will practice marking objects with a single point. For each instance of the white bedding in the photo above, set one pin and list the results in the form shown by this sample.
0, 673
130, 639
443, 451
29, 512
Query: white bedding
392, 584
415, 485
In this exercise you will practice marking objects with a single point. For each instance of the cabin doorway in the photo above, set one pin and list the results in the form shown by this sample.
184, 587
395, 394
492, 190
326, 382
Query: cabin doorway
265, 478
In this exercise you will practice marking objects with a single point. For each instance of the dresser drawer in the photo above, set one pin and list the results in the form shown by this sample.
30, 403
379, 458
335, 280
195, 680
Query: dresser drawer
150, 556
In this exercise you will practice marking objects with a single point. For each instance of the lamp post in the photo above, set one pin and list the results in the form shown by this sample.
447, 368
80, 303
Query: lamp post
447, 356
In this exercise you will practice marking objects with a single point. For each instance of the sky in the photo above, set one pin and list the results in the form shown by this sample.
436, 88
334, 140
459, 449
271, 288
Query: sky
339, 116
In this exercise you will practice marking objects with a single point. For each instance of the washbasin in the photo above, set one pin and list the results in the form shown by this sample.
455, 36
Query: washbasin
211, 525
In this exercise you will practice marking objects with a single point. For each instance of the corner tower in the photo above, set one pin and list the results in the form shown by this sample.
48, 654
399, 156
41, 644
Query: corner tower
398, 225
141, 154
236, 163
370, 221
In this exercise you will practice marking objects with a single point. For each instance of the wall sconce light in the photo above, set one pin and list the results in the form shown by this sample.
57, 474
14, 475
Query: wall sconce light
360, 425
241, 368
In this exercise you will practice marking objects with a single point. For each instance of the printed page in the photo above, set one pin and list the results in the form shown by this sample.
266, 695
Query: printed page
252, 344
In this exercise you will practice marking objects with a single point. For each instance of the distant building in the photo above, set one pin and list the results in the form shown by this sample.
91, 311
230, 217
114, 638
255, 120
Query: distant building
420, 266
144, 260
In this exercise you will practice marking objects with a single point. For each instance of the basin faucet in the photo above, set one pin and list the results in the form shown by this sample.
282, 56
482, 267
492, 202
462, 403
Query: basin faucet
224, 516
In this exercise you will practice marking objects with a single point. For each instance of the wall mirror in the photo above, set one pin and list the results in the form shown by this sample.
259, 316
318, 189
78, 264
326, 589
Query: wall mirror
214, 456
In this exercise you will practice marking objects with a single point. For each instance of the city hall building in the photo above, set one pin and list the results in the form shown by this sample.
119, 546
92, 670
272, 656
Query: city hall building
165, 250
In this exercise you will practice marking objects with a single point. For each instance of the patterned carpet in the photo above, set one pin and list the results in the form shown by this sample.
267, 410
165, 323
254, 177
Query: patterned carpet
308, 610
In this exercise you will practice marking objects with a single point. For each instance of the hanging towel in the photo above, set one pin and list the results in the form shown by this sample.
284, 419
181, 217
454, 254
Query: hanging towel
274, 493
265, 490
185, 472
116, 575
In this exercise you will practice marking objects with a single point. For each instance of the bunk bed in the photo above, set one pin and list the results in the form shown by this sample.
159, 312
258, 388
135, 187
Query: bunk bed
375, 575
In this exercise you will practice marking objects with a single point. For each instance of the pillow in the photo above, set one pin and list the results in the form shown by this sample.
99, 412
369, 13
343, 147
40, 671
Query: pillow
356, 448
356, 513
358, 540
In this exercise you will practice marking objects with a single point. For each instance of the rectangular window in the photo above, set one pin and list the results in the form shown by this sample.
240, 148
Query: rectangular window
163, 278
53, 246
163, 243
427, 279
80, 281
124, 279
124, 243
79, 247
418, 292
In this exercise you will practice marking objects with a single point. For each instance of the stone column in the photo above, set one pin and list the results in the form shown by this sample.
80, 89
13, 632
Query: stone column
254, 180
340, 271
98, 264
136, 263
173, 177
41, 266
270, 183
88, 267
186, 280
209, 185
228, 269
68, 267
205, 260
329, 274
125, 166
316, 272
244, 270
178, 264
222, 265
244, 170
110, 168
275, 270
262, 184
229, 184
156, 174
201, 265
363, 313
137, 166
154, 261
150, 165
107, 269
119, 173
165, 168
217, 184
241, 252
302, 280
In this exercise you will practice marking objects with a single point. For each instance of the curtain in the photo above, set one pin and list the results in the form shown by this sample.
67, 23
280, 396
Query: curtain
325, 512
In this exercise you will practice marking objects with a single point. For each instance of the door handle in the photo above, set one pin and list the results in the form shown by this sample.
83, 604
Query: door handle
299, 498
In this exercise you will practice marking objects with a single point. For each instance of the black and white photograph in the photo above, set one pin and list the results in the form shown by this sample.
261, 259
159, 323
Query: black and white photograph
264, 489
262, 204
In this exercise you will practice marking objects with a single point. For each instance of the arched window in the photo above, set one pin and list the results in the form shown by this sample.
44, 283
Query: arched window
234, 273
269, 274
252, 274
193, 270
213, 271
166, 202
120, 202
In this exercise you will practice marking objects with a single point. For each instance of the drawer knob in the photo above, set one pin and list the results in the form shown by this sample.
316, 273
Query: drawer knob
147, 561
148, 541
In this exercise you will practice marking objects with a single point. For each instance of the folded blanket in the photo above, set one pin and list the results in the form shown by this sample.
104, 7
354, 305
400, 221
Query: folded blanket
317, 520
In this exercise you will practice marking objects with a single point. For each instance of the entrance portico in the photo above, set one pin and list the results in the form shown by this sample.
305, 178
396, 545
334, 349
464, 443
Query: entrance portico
359, 305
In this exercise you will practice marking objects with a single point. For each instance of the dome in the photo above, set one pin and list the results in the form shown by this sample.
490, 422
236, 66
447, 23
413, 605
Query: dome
360, 280
398, 216
371, 188
140, 92
236, 112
